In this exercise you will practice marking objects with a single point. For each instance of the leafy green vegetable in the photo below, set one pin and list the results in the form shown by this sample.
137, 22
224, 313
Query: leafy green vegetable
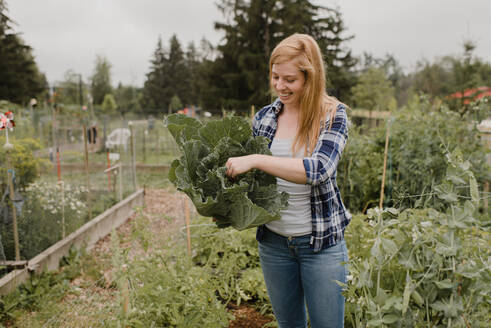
249, 200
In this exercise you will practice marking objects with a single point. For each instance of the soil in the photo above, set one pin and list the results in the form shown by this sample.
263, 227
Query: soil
247, 317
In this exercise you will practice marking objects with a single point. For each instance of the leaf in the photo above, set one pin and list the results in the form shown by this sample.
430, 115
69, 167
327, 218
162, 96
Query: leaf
389, 246
444, 284
182, 127
407, 293
390, 318
250, 199
233, 127
473, 190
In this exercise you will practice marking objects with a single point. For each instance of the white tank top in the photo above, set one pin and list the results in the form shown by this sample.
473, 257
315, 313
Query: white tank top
296, 219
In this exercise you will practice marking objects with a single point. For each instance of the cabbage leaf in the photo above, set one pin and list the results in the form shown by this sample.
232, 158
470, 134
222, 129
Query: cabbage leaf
249, 200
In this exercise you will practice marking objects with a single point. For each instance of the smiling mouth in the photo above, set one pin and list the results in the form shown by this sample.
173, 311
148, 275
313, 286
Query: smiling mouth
286, 94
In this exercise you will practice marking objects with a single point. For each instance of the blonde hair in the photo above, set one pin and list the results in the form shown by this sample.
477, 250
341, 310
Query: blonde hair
315, 103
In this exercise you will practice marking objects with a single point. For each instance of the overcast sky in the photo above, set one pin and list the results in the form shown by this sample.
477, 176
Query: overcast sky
68, 34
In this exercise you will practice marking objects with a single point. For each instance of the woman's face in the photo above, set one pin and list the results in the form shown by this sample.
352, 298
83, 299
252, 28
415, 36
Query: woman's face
288, 82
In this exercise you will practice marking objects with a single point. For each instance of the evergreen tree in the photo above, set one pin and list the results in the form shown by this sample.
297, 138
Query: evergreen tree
177, 76
252, 29
193, 61
20, 79
168, 76
101, 79
152, 96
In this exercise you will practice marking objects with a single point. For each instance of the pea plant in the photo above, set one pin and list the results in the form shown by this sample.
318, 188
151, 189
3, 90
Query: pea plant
422, 267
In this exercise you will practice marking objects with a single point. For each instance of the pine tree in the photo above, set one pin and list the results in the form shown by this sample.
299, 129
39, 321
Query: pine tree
20, 79
152, 96
168, 76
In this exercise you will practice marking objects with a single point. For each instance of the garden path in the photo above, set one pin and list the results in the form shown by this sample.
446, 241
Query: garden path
93, 299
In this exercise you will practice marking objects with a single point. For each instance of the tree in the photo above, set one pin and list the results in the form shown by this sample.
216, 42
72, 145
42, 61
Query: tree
20, 78
127, 98
239, 76
109, 104
71, 89
175, 104
101, 79
168, 76
374, 91
153, 98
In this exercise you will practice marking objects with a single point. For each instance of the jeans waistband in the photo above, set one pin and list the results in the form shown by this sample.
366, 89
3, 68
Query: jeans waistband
275, 238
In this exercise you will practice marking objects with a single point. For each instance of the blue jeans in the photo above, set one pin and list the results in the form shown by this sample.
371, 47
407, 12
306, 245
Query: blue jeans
297, 277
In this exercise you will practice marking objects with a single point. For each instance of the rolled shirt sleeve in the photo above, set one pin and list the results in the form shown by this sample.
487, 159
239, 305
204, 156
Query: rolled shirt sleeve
322, 164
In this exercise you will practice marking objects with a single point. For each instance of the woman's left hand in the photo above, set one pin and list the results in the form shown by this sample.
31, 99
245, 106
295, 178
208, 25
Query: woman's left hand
239, 165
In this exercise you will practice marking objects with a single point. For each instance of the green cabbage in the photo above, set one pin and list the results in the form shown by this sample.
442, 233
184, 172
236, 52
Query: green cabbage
249, 200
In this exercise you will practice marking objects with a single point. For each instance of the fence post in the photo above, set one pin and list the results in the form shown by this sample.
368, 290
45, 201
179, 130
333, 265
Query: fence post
62, 190
133, 156
108, 173
144, 146
84, 127
8, 147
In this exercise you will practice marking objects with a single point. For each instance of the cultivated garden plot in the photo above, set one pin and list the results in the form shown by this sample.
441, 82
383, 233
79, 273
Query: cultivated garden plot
62, 177
419, 251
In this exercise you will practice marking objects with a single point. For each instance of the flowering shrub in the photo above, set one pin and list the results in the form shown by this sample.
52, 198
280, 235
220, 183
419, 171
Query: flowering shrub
41, 218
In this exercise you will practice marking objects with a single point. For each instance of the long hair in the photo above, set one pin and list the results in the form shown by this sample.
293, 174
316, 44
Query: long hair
315, 103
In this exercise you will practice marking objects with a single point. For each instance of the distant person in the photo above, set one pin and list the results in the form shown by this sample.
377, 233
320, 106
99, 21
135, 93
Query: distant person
92, 136
304, 253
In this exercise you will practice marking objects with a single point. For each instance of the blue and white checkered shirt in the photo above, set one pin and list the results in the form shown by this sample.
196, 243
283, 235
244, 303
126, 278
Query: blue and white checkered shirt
329, 215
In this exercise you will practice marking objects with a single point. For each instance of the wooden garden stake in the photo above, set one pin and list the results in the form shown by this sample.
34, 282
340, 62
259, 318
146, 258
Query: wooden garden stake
144, 146
188, 222
120, 178
58, 165
253, 111
387, 133
87, 174
8, 147
62, 190
108, 173
486, 191
133, 158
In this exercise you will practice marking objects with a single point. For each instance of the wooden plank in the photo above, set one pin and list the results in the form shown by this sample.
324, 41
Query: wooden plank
19, 264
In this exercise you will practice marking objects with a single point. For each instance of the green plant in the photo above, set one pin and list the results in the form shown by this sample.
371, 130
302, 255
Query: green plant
26, 166
41, 290
422, 267
40, 221
250, 199
420, 136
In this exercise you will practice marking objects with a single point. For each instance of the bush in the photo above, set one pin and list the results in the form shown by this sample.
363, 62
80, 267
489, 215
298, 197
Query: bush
26, 166
420, 136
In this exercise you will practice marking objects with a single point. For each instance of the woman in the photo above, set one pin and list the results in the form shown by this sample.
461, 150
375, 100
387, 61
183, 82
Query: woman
304, 253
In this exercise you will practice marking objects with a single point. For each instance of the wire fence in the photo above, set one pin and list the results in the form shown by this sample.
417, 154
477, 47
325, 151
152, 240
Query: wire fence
66, 169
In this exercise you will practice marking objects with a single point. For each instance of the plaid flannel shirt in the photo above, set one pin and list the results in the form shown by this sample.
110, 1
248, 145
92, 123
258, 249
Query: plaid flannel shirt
329, 215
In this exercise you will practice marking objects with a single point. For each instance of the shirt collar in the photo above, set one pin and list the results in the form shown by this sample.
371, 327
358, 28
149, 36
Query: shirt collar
277, 106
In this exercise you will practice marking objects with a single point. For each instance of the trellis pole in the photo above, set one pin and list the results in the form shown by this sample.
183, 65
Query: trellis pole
382, 187
87, 174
